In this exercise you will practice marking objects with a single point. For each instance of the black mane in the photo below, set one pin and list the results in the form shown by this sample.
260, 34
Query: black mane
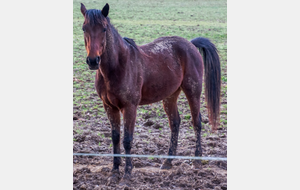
131, 42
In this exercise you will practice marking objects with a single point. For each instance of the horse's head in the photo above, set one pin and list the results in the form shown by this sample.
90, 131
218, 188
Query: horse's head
94, 28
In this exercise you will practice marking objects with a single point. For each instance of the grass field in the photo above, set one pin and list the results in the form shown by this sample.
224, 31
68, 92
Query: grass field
145, 21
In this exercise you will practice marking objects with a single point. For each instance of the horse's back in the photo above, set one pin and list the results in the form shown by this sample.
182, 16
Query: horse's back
175, 48
166, 61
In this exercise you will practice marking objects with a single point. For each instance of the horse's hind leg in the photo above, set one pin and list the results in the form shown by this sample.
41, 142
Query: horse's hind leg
170, 106
192, 88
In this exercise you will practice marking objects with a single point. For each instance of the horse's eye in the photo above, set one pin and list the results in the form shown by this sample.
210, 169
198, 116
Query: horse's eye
104, 29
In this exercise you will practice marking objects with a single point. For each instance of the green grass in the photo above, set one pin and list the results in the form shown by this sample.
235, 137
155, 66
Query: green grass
145, 21
187, 117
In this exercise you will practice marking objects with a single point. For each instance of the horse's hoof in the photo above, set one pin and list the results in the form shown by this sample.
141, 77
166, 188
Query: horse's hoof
197, 165
114, 178
125, 181
115, 171
166, 166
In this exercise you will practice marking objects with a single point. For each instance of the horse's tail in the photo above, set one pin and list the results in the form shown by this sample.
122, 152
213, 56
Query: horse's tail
212, 78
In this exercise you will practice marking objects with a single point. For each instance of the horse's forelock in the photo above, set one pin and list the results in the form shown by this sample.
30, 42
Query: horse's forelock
94, 16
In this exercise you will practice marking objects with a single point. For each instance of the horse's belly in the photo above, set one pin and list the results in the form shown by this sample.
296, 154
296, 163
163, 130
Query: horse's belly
160, 87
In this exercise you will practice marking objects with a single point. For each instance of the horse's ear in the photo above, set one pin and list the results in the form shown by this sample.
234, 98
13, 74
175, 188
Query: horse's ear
105, 10
83, 9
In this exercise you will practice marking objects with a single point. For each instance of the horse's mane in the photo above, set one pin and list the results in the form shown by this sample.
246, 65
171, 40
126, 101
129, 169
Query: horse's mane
131, 42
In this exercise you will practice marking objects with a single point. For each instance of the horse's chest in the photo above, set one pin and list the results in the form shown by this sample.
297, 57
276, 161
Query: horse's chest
118, 94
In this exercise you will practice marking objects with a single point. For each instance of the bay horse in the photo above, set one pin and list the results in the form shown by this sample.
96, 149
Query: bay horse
128, 75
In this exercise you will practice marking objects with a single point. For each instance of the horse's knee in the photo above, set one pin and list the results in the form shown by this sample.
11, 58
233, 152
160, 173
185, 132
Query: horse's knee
115, 137
127, 142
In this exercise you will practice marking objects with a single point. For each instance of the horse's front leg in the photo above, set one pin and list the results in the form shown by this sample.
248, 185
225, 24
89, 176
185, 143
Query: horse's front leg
113, 115
129, 114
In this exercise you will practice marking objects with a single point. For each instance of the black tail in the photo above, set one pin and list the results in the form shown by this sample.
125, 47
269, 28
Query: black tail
212, 78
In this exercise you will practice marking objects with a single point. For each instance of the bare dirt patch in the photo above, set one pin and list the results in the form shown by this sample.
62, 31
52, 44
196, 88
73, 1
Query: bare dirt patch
152, 134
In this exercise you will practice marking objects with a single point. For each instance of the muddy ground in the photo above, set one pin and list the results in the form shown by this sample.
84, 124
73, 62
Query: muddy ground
92, 134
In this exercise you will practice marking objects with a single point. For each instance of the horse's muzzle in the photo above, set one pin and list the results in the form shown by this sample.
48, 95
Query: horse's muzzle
93, 63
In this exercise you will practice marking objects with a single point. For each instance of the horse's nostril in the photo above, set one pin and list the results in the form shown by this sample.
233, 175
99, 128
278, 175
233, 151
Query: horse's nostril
98, 59
88, 60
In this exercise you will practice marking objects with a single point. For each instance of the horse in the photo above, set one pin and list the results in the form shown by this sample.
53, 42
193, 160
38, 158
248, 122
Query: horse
128, 75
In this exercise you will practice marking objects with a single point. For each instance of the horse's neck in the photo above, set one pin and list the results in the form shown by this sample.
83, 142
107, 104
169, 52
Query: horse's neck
115, 48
